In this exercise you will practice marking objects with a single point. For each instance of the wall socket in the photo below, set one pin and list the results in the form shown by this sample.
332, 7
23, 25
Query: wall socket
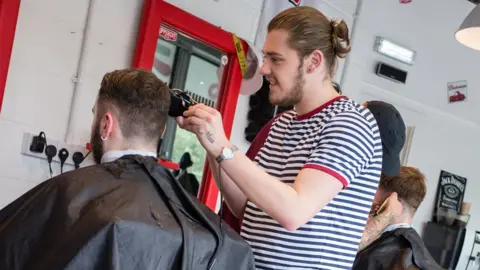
28, 138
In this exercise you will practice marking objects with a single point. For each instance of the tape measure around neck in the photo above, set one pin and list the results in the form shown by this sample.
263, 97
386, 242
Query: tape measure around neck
240, 54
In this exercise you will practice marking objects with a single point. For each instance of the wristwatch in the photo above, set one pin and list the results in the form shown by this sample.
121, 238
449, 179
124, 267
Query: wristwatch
227, 153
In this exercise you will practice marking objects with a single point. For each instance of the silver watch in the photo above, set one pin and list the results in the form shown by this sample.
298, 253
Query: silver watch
227, 153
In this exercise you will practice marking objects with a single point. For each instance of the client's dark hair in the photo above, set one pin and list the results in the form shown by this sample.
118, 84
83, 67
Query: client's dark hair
141, 101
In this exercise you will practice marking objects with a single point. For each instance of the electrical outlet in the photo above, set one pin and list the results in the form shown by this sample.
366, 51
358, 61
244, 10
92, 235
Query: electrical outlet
28, 138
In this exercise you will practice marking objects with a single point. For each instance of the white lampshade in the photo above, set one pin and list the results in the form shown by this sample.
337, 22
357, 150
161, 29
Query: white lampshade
469, 32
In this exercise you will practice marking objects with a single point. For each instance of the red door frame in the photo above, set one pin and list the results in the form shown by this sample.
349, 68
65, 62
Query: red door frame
156, 12
8, 23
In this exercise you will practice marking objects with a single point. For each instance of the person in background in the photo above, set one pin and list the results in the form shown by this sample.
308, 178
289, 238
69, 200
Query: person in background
392, 131
397, 245
125, 212
306, 197
400, 192
188, 180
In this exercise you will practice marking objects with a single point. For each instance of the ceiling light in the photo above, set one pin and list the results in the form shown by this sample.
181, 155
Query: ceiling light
469, 32
395, 51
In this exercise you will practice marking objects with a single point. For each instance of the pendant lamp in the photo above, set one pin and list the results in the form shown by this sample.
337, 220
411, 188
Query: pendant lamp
469, 32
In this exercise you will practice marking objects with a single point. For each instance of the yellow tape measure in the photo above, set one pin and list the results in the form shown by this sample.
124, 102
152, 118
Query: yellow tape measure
242, 60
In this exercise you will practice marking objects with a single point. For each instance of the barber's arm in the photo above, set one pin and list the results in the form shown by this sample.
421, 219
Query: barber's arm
290, 205
234, 197
377, 222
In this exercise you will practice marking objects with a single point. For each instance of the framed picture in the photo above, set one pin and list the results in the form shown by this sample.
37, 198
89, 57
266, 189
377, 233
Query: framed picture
457, 91
451, 190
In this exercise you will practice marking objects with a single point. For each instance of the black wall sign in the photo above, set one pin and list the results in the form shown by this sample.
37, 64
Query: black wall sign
451, 189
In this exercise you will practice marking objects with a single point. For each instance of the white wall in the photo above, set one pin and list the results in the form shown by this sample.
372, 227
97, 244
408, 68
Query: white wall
446, 135
44, 60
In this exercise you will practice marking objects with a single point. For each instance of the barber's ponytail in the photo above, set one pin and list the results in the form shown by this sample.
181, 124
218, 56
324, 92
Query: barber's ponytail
340, 35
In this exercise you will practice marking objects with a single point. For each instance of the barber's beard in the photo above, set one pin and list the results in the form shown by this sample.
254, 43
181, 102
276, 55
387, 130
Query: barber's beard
96, 143
293, 95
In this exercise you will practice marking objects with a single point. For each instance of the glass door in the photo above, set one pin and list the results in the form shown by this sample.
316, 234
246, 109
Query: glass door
187, 64
193, 55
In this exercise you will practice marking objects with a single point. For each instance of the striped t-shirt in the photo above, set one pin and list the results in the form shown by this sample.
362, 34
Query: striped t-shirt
340, 138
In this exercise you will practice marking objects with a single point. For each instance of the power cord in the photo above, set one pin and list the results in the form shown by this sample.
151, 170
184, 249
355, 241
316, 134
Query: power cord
62, 155
79, 158
39, 143
220, 190
50, 152
220, 213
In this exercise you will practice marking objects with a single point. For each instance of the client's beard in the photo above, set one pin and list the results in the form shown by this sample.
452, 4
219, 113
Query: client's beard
96, 143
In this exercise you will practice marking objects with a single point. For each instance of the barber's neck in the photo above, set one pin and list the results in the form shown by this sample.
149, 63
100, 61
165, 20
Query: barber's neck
315, 95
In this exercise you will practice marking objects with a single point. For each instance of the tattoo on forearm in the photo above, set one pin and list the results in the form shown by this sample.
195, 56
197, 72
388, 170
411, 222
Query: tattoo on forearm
374, 228
210, 136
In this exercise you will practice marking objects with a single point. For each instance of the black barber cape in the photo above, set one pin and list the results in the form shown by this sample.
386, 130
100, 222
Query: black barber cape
397, 249
127, 214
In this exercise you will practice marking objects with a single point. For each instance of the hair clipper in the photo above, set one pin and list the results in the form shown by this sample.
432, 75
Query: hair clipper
179, 102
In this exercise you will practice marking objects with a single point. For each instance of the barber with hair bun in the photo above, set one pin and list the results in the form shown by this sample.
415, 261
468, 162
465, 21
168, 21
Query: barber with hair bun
306, 195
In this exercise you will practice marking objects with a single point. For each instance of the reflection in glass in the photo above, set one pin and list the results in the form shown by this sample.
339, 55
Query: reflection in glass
202, 84
164, 59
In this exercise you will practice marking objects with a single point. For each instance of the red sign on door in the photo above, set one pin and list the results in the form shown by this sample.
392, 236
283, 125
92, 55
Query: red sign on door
168, 34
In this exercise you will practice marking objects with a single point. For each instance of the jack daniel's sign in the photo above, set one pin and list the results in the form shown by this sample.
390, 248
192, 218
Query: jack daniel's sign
451, 189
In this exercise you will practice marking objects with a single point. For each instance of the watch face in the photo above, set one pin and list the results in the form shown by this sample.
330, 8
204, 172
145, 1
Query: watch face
227, 153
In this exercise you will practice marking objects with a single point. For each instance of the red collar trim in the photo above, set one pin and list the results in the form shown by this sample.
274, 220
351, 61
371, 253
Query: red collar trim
319, 109
168, 164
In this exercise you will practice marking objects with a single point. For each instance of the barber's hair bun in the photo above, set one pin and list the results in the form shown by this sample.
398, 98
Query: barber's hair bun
339, 37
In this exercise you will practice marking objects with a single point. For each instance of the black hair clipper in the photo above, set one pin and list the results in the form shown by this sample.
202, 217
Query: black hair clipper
179, 102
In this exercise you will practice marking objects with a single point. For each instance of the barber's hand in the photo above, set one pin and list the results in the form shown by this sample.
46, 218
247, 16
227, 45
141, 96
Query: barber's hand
206, 123
391, 208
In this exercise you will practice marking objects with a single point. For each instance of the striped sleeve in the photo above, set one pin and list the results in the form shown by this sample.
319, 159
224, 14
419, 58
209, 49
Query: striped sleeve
345, 147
